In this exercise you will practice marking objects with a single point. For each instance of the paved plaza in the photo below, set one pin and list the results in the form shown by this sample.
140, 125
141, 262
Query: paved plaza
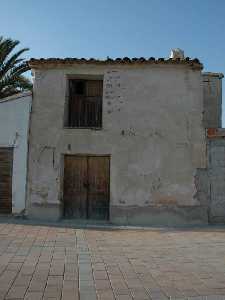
55, 262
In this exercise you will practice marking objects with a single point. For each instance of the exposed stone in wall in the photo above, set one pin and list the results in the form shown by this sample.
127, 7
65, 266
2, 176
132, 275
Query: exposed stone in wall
202, 187
212, 95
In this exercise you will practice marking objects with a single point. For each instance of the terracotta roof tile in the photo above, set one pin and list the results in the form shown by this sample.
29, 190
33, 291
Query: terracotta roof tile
194, 63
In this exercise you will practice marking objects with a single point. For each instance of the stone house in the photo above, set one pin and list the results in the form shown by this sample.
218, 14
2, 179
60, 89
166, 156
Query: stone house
123, 140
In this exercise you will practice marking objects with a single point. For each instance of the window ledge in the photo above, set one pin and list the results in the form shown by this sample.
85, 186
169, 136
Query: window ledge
90, 128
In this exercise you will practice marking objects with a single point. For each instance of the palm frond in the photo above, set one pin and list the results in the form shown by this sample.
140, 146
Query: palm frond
6, 47
12, 67
13, 60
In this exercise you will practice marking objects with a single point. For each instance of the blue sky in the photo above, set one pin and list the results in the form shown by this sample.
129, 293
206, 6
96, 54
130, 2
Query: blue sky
118, 28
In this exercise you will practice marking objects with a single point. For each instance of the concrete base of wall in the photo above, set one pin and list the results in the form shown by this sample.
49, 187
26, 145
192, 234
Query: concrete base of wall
162, 215
46, 212
133, 215
217, 220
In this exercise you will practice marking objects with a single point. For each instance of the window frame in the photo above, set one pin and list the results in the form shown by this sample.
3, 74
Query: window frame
67, 99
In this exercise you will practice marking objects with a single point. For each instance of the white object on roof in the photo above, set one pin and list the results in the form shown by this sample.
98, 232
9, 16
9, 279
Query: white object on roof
177, 53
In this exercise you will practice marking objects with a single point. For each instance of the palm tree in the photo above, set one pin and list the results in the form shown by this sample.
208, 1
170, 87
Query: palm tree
12, 66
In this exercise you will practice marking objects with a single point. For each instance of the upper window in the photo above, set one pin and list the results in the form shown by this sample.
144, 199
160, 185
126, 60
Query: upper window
85, 103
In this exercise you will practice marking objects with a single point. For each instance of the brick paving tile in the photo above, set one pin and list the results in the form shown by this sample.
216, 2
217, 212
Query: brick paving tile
88, 295
133, 283
53, 292
102, 284
22, 280
16, 292
189, 293
12, 266
100, 275
158, 296
69, 276
54, 280
86, 285
99, 266
124, 297
70, 288
118, 292
105, 295
70, 295
33, 296
37, 286
140, 294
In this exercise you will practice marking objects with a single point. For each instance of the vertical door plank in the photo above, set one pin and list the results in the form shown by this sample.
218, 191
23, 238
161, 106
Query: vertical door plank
75, 190
98, 188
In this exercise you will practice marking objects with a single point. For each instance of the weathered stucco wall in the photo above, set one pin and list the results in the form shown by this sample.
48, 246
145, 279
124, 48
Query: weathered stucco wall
152, 128
14, 124
216, 176
212, 95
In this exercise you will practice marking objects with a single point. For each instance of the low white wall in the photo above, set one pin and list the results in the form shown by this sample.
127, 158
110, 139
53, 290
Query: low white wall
14, 127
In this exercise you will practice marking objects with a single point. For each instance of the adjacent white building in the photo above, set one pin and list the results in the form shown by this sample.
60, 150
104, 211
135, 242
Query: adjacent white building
14, 129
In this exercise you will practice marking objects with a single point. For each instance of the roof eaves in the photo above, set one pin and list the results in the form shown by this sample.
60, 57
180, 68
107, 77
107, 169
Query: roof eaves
194, 63
213, 74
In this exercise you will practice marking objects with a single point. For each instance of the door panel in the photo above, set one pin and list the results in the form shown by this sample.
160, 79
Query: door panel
86, 187
6, 160
98, 194
75, 191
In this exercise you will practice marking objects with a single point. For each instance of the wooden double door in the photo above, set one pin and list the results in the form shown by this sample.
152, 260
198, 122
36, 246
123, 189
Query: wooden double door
86, 186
